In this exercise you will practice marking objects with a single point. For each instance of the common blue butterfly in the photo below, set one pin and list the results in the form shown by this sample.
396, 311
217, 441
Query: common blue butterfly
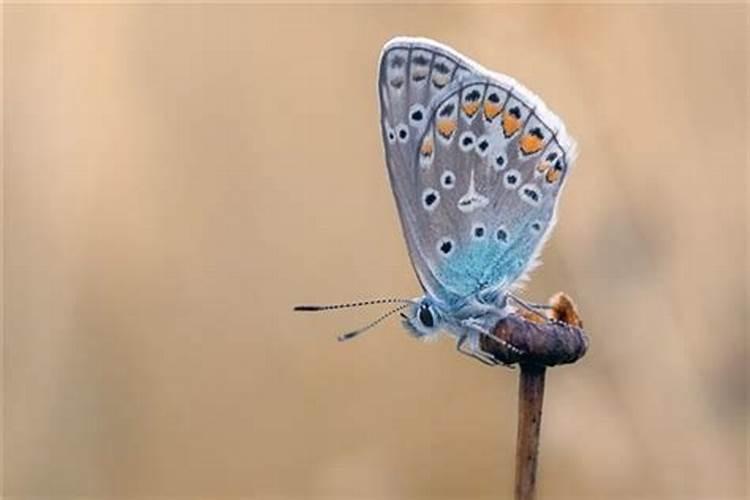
476, 163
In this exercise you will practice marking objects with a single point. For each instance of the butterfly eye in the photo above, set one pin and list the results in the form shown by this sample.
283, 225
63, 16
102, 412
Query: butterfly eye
425, 315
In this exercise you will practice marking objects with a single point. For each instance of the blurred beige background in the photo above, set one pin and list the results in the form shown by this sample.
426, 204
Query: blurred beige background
177, 177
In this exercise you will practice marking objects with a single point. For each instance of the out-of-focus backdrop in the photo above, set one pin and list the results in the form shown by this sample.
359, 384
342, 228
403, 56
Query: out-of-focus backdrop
177, 177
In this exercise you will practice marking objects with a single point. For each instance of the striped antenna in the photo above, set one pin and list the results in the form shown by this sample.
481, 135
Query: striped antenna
329, 307
353, 334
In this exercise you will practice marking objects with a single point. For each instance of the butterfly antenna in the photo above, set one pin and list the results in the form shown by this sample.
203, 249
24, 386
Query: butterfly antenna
353, 334
329, 307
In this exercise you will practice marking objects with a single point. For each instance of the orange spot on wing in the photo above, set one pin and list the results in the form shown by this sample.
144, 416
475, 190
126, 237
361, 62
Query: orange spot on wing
491, 110
471, 108
530, 144
542, 166
552, 175
446, 127
511, 124
426, 149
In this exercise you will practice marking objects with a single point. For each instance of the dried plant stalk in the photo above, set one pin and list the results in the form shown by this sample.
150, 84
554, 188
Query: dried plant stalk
530, 398
541, 344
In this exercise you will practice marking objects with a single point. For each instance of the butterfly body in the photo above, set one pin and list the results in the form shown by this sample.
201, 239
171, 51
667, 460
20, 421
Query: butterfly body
466, 320
476, 164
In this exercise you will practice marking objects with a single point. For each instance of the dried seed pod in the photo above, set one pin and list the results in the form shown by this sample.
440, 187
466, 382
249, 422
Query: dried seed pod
550, 343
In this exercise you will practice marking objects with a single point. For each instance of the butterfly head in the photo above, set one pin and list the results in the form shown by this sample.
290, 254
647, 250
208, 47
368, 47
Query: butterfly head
423, 319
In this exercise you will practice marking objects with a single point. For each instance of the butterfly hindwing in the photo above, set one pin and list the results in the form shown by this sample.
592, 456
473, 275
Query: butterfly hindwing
478, 179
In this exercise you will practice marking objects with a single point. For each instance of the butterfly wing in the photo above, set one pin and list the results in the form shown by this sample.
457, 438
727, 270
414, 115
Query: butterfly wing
510, 157
412, 73
477, 182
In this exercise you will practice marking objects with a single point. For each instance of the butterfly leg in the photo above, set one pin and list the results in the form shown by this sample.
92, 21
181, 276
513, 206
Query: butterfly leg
479, 327
531, 307
487, 360
475, 330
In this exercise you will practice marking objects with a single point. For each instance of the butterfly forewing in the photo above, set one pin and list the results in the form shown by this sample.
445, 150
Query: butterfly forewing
478, 178
412, 74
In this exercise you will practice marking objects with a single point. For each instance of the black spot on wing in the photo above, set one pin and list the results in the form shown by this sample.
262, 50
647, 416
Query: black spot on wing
533, 195
442, 68
537, 132
447, 110
420, 60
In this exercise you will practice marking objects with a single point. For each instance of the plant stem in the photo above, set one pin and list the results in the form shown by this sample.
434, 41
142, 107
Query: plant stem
530, 399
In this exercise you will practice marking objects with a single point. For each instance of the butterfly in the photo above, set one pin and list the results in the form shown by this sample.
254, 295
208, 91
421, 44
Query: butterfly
476, 163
